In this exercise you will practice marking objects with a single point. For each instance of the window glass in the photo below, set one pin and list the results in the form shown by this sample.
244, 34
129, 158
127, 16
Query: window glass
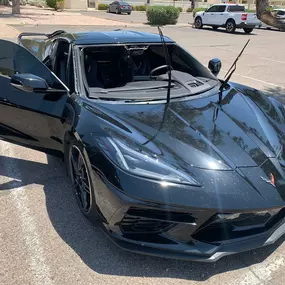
212, 9
236, 8
221, 8
16, 59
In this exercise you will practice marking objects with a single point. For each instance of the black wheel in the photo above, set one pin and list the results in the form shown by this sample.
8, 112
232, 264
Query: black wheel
198, 23
215, 27
80, 173
129, 13
247, 30
230, 26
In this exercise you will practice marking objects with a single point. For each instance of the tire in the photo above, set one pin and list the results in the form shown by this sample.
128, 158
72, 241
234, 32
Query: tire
198, 23
230, 26
80, 178
215, 28
129, 13
247, 30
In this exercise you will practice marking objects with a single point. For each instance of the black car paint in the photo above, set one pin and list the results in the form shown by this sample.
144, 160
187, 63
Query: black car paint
247, 137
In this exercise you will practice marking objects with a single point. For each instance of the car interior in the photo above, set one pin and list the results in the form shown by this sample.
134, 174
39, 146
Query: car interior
113, 67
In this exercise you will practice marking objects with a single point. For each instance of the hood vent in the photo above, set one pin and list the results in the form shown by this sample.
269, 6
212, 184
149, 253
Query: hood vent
195, 83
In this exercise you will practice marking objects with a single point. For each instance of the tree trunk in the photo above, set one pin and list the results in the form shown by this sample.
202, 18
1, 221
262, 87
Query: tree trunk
266, 17
15, 7
193, 4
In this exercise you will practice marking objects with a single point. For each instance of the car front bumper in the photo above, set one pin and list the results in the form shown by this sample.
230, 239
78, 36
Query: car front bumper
200, 252
179, 241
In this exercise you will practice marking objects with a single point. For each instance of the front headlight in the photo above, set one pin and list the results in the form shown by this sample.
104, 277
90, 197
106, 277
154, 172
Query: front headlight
138, 160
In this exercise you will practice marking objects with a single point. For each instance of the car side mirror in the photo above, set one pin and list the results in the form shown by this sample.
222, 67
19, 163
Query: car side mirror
28, 82
215, 66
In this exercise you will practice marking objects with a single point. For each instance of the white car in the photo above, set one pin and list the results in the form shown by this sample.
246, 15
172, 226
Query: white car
230, 16
279, 14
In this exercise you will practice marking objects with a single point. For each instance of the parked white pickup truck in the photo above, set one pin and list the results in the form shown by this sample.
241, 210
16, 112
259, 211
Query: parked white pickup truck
230, 16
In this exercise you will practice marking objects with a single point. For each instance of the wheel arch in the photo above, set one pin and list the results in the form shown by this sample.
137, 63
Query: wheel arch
230, 19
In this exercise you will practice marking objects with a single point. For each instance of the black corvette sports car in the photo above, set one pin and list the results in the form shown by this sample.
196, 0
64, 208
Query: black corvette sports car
196, 175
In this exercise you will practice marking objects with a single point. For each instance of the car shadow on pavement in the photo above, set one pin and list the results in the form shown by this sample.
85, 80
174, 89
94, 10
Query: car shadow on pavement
91, 244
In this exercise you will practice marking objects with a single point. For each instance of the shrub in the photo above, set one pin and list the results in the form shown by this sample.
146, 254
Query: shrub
55, 4
162, 15
250, 11
189, 10
198, 10
139, 8
103, 6
180, 9
51, 3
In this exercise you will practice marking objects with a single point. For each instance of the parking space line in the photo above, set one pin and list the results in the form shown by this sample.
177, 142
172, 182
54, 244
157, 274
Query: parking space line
255, 79
274, 60
40, 271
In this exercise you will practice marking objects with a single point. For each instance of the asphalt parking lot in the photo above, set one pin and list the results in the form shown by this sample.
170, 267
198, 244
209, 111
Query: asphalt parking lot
135, 17
44, 239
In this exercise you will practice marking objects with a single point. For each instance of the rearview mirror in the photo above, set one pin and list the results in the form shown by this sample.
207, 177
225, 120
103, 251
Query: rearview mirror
28, 82
215, 66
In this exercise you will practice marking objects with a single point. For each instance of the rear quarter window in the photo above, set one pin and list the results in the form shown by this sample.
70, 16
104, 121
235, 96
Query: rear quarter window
236, 8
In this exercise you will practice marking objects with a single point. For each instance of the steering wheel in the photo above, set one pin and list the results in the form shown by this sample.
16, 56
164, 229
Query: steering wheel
157, 69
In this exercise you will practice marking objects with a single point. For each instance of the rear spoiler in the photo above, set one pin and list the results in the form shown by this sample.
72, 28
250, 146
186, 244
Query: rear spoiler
48, 36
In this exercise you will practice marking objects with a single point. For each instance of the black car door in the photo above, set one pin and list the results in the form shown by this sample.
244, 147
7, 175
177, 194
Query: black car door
29, 116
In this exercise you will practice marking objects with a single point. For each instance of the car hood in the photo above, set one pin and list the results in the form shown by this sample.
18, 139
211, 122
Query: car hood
235, 148
244, 131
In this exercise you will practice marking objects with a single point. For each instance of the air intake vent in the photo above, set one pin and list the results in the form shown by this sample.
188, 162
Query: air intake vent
131, 224
195, 83
153, 221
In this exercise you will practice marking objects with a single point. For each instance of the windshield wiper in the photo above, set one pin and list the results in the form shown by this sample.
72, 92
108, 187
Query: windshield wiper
229, 74
168, 62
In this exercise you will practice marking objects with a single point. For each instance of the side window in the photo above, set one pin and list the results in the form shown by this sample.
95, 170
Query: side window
212, 9
60, 60
70, 72
221, 8
16, 59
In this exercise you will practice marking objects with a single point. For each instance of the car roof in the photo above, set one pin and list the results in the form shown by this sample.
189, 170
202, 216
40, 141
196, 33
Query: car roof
116, 37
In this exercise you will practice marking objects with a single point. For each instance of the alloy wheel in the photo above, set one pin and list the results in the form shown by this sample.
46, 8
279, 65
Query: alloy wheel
80, 178
230, 27
198, 23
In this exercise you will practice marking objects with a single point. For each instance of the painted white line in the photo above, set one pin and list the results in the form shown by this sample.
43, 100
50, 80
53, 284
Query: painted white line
40, 272
258, 80
255, 79
274, 60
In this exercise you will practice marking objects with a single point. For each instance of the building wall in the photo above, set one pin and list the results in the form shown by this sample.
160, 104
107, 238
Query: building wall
76, 4
84, 4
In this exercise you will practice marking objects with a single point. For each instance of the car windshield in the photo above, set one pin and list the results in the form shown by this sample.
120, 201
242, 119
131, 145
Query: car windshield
140, 72
124, 3
236, 8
